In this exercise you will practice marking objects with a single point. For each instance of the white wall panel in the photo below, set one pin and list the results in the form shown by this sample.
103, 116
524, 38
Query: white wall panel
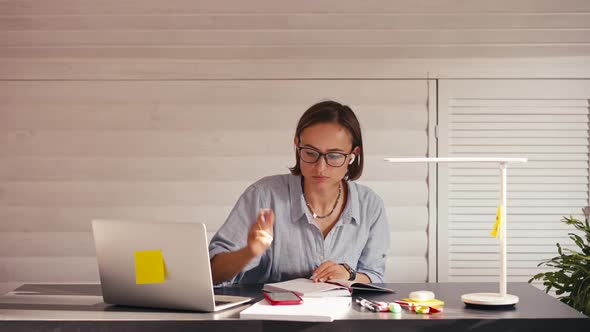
281, 68
300, 21
270, 6
170, 116
233, 30
77, 219
47, 269
126, 108
73, 151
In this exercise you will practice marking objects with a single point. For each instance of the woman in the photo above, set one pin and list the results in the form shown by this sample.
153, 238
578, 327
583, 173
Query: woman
313, 223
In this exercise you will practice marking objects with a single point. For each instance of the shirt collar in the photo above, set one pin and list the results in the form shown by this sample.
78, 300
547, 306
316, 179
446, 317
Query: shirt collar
299, 209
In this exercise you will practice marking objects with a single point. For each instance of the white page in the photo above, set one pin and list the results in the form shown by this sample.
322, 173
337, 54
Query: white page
316, 309
302, 286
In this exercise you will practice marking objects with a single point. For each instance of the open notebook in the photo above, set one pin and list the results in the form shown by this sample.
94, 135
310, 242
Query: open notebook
310, 288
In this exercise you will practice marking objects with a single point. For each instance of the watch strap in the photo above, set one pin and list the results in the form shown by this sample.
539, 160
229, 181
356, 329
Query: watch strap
350, 270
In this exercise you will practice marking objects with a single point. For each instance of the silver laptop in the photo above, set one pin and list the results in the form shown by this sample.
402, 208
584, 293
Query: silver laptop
188, 284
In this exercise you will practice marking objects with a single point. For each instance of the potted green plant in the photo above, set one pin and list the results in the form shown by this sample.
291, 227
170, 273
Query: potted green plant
571, 277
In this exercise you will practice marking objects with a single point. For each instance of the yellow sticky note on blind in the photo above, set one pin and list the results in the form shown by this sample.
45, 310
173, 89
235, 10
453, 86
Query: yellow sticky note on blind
149, 267
498, 223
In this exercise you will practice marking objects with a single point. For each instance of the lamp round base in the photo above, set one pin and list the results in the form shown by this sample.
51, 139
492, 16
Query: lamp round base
489, 300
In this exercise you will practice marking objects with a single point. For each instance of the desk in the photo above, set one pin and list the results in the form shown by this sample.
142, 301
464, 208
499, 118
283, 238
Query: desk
536, 311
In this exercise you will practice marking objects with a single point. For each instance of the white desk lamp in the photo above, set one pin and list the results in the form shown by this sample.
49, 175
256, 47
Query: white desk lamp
483, 299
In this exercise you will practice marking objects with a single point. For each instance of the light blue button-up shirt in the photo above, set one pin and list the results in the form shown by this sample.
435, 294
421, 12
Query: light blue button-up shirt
359, 238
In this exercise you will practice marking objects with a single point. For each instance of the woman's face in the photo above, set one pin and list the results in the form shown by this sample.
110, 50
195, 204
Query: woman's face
324, 138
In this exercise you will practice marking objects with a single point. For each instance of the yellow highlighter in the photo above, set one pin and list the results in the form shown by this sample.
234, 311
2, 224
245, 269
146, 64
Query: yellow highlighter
149, 267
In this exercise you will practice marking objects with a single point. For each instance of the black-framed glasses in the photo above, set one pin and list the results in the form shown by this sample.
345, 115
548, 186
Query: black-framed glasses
311, 156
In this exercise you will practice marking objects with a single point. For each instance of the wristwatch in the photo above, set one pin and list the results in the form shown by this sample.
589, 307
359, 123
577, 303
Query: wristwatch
350, 270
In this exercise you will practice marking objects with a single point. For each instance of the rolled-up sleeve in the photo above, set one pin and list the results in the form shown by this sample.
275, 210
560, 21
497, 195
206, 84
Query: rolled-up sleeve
233, 234
374, 255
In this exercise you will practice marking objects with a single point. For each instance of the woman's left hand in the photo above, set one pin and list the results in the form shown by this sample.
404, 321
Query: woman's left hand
330, 270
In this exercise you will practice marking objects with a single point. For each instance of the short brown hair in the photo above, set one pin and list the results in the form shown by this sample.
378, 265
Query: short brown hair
333, 112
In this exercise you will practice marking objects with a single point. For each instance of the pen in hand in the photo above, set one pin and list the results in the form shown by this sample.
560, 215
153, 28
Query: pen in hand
367, 304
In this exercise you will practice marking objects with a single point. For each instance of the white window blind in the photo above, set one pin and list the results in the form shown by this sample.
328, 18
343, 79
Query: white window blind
543, 120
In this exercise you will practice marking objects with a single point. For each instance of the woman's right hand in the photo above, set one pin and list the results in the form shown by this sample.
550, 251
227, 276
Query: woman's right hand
261, 232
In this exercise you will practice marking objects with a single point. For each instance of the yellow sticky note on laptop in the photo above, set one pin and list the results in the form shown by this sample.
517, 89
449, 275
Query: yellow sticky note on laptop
149, 267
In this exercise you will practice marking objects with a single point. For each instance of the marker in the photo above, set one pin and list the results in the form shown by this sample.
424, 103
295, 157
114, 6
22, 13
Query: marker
367, 304
413, 306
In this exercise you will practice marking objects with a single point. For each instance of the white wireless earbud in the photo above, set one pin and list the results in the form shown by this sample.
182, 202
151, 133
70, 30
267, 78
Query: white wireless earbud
352, 156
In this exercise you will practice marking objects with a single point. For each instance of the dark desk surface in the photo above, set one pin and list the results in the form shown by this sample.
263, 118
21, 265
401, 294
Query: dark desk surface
83, 310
